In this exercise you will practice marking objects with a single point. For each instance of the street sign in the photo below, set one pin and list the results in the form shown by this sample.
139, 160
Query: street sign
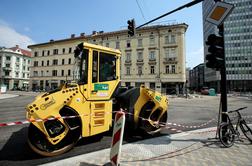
219, 12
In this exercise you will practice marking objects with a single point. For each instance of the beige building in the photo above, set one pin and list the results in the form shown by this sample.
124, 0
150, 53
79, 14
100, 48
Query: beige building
15, 68
155, 56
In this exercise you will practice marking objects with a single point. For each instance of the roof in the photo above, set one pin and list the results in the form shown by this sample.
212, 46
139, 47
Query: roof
22, 51
107, 33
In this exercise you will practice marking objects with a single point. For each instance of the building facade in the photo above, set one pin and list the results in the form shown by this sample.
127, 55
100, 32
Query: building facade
155, 57
197, 77
15, 68
238, 50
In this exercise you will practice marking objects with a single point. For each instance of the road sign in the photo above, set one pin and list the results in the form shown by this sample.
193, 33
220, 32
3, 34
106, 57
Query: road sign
219, 12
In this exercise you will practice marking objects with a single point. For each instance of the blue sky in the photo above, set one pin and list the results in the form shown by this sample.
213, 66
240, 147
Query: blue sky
31, 21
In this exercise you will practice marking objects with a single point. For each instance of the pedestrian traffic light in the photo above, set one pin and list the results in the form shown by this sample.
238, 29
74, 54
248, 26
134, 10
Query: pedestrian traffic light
215, 58
131, 27
78, 50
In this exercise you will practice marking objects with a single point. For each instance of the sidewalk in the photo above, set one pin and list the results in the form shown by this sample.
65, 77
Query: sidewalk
188, 148
6, 96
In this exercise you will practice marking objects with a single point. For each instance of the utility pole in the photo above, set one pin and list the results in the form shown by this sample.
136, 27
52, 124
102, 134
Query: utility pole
216, 58
223, 78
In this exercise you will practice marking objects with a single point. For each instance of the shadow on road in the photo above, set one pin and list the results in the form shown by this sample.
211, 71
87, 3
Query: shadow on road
16, 148
17, 152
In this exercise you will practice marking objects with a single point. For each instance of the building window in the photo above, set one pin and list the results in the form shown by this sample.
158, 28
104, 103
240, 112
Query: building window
54, 73
152, 55
42, 63
152, 85
140, 55
69, 61
170, 39
8, 58
18, 59
173, 39
173, 69
170, 52
128, 44
62, 72
152, 40
17, 74
43, 53
63, 51
42, 73
35, 53
70, 50
167, 39
7, 73
117, 45
140, 72
48, 63
55, 51
35, 63
48, 52
23, 75
152, 69
107, 44
35, 73
167, 69
128, 56
127, 70
63, 61
69, 72
55, 62
140, 42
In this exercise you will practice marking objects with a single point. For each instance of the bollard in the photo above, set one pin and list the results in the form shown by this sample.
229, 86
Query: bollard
117, 138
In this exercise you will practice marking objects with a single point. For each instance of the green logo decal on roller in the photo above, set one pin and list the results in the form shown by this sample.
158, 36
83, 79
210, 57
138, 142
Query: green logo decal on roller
101, 87
158, 98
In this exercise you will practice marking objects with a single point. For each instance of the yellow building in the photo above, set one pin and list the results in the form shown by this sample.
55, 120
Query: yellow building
155, 56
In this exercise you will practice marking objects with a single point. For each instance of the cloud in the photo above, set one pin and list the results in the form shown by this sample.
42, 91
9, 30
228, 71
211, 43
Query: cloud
195, 57
9, 37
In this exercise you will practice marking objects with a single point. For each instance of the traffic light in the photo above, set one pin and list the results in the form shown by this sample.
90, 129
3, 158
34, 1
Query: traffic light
131, 27
78, 50
215, 58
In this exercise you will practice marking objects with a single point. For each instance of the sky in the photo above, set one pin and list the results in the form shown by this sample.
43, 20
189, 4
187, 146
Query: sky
29, 22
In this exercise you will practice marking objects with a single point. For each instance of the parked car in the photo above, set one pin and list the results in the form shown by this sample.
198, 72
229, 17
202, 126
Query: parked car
204, 90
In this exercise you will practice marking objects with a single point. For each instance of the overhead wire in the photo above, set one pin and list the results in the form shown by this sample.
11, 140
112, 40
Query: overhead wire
141, 11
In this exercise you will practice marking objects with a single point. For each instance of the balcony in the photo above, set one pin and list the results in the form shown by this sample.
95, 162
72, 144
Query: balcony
127, 62
152, 61
7, 61
7, 68
170, 61
7, 76
140, 62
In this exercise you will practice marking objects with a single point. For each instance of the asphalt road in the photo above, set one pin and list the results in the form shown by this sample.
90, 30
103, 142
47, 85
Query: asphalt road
15, 151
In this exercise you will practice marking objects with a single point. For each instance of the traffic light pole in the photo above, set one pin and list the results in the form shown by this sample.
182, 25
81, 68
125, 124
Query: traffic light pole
223, 80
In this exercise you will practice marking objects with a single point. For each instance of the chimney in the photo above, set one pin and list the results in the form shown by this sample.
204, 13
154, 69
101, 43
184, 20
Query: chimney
72, 35
17, 46
82, 34
94, 33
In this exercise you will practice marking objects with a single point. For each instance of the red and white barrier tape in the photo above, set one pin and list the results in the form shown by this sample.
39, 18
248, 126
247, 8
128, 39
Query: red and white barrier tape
165, 125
